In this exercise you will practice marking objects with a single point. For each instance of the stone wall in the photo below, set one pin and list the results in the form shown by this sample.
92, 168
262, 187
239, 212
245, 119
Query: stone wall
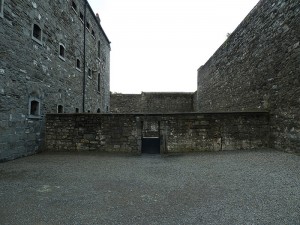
258, 68
152, 102
182, 132
36, 77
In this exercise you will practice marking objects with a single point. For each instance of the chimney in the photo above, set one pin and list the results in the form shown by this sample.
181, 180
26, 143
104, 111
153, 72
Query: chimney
98, 17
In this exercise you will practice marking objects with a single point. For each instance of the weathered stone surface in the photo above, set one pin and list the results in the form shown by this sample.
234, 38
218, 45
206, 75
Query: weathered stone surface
31, 69
182, 132
258, 67
152, 102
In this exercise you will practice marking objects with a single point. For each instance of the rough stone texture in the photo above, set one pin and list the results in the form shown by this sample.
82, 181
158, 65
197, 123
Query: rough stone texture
184, 132
152, 102
249, 187
258, 67
33, 70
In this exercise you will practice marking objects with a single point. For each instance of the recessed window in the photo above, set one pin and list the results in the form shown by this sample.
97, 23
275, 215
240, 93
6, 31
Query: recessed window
89, 73
37, 33
99, 82
60, 109
107, 109
78, 66
98, 110
1, 8
62, 51
77, 110
98, 49
74, 6
89, 111
34, 107
93, 33
88, 26
81, 16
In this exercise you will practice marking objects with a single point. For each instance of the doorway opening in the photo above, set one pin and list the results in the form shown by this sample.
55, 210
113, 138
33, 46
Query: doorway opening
151, 145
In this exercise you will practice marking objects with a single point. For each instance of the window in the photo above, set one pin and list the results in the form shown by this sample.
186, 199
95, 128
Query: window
34, 107
74, 6
106, 108
78, 64
89, 111
62, 51
60, 109
99, 82
1, 8
88, 26
81, 16
89, 73
77, 110
37, 33
98, 110
98, 50
93, 33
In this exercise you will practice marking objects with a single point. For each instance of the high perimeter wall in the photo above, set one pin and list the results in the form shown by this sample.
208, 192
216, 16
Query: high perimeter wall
258, 67
152, 102
182, 132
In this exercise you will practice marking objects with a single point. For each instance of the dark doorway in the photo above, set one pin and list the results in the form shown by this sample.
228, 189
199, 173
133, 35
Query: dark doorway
151, 145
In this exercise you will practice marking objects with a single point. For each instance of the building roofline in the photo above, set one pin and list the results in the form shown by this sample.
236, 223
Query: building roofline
97, 21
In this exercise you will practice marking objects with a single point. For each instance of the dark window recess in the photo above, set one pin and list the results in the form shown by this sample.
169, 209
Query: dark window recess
60, 109
98, 110
89, 111
74, 6
77, 110
37, 32
106, 108
99, 49
78, 64
99, 81
62, 51
81, 16
93, 33
34, 108
90, 73
88, 26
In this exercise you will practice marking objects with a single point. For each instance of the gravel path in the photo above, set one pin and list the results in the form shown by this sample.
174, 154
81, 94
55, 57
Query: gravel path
240, 187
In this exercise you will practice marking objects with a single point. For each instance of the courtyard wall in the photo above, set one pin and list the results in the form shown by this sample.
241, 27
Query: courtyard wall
258, 68
178, 132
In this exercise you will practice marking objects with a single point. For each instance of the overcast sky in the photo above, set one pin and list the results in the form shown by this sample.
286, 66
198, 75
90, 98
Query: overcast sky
158, 45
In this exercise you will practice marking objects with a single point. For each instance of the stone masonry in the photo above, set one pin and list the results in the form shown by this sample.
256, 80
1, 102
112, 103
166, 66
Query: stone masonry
258, 67
178, 132
153, 102
44, 68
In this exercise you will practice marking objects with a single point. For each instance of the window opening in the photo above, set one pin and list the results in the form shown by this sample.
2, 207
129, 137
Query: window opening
60, 109
93, 33
81, 16
90, 73
89, 111
78, 64
34, 108
37, 33
106, 108
98, 110
77, 110
61, 51
74, 6
88, 26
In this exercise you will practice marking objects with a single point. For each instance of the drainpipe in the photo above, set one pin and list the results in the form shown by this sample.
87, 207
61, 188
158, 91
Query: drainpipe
84, 55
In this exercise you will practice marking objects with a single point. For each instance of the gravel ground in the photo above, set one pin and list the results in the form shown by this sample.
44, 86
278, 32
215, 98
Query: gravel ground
240, 187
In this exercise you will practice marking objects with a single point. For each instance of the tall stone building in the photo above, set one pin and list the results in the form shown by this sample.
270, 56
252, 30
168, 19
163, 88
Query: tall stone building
54, 58
258, 68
